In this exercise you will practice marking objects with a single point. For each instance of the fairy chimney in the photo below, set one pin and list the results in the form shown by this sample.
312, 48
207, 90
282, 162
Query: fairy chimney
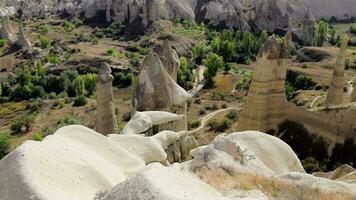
22, 41
336, 88
169, 58
105, 120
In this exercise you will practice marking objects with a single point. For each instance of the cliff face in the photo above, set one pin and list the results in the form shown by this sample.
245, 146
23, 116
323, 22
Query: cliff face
244, 15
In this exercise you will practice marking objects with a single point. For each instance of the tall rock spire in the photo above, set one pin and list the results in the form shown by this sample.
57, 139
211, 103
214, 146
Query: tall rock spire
105, 117
22, 41
169, 58
266, 96
336, 88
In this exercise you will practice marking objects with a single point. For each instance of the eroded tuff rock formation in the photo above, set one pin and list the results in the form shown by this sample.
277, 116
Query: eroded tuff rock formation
336, 88
78, 163
169, 59
267, 14
266, 105
156, 89
105, 111
22, 40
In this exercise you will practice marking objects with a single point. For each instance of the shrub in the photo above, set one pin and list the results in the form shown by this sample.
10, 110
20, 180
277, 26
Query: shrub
200, 51
311, 165
68, 26
4, 144
220, 126
202, 112
122, 81
53, 59
21, 93
95, 41
3, 42
37, 136
43, 28
90, 83
232, 115
21, 126
45, 42
194, 124
80, 101
304, 82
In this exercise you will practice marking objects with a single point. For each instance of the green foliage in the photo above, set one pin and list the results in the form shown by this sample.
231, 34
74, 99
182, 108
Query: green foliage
68, 26
213, 63
80, 101
122, 81
233, 116
66, 121
311, 165
90, 83
304, 82
43, 28
95, 40
290, 91
321, 33
3, 42
45, 42
53, 59
185, 76
200, 51
220, 126
79, 85
4, 144
37, 136
21, 93
22, 125
112, 52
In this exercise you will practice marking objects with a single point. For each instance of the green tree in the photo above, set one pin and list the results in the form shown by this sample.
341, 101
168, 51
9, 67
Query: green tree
213, 63
79, 85
321, 33
200, 51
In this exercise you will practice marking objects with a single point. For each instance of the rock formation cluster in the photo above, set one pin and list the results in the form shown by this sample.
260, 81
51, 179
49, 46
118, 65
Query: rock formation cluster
269, 14
105, 111
266, 106
7, 34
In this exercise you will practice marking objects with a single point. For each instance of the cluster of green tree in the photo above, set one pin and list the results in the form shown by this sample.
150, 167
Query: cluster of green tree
297, 82
122, 81
36, 82
313, 150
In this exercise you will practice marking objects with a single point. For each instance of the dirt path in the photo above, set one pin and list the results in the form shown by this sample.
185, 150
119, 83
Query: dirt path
204, 120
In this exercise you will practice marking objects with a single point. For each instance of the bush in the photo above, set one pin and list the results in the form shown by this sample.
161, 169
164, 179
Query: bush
37, 136
311, 165
90, 83
4, 144
122, 81
232, 115
44, 28
200, 51
3, 42
21, 126
220, 126
304, 82
194, 124
53, 59
21, 93
68, 26
80, 101
45, 42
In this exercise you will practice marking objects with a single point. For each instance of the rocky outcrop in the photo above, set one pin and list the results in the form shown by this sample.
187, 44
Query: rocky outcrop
142, 121
336, 88
79, 163
268, 14
169, 58
156, 90
22, 41
105, 110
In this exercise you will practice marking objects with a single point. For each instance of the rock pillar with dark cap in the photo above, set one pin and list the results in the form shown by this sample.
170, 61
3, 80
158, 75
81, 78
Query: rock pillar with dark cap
336, 88
22, 41
105, 120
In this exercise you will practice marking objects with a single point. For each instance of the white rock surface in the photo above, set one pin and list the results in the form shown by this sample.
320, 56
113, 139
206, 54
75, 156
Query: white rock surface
74, 163
142, 121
